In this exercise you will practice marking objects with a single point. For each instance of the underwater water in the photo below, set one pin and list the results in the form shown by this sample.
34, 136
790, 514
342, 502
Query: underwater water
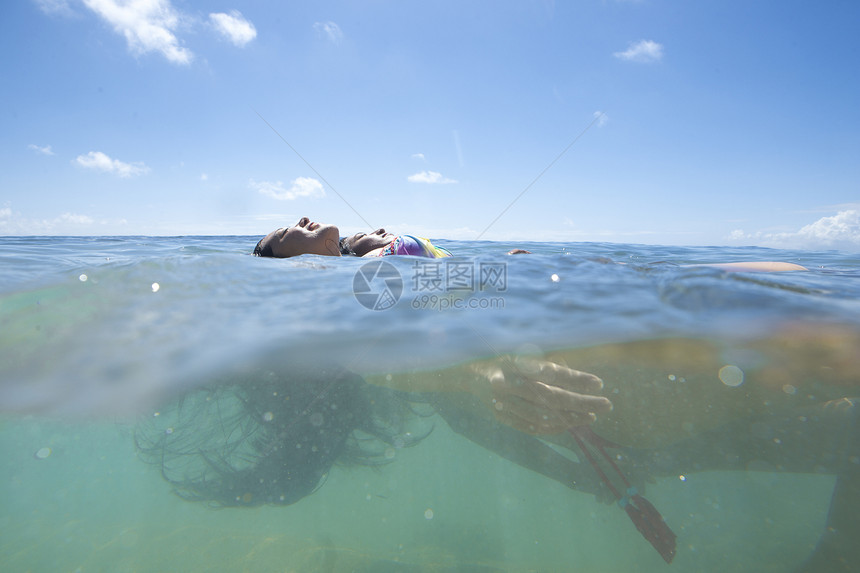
727, 386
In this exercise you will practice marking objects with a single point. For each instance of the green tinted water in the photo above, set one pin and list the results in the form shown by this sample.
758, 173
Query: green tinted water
444, 505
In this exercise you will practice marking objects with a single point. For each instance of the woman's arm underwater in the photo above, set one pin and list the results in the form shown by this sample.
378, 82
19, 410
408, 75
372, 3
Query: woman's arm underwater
532, 395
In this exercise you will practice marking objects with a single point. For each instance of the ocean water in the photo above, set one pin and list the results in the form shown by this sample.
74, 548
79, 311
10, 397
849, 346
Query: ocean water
98, 334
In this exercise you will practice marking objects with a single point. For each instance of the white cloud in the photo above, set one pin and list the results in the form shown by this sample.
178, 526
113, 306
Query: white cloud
643, 51
101, 162
839, 232
147, 25
418, 156
59, 7
737, 235
330, 30
46, 150
234, 27
429, 177
75, 219
13, 223
840, 229
300, 187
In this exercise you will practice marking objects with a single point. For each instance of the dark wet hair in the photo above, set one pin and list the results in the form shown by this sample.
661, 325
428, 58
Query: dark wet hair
272, 440
345, 248
261, 251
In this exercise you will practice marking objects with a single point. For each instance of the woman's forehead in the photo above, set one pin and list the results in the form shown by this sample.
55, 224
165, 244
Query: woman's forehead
271, 237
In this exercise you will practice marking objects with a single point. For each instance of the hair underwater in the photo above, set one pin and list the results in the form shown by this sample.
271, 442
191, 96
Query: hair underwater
272, 439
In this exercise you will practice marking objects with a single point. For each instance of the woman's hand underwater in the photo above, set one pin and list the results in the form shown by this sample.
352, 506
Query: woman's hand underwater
540, 397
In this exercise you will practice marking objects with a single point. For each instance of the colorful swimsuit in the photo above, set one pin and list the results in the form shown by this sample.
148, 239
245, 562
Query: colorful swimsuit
415, 246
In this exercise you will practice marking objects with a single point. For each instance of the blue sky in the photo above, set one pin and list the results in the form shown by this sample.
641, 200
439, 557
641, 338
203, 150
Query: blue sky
699, 123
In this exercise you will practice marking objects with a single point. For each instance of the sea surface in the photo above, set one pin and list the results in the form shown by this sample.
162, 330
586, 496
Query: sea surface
97, 332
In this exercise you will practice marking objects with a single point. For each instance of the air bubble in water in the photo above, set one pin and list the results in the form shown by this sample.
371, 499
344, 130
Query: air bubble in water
731, 375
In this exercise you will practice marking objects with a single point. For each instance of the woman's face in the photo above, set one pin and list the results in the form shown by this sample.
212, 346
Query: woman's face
304, 238
363, 243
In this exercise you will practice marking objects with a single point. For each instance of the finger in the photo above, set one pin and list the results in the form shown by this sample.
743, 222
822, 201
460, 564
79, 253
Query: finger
558, 375
554, 398
578, 381
575, 402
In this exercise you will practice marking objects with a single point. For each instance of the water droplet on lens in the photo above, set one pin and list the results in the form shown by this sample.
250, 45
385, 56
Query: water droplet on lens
731, 375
